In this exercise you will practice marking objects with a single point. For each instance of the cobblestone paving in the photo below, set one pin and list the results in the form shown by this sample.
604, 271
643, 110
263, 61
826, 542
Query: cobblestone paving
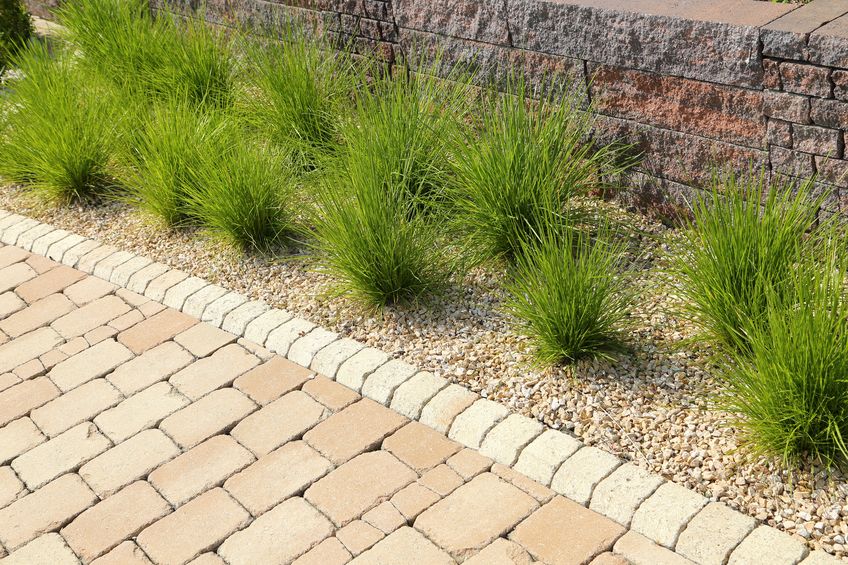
132, 433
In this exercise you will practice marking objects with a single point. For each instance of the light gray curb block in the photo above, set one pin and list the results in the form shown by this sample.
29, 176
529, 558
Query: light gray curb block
122, 274
197, 302
89, 261
8, 221
507, 439
236, 321
74, 255
580, 473
159, 287
303, 350
440, 412
476, 421
666, 512
57, 250
541, 459
139, 280
767, 545
822, 558
219, 308
352, 372
10, 234
619, 495
713, 533
107, 266
410, 397
281, 339
257, 330
43, 243
175, 297
382, 383
329, 359
27, 238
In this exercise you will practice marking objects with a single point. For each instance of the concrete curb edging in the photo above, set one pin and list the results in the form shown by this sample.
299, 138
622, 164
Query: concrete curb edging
668, 514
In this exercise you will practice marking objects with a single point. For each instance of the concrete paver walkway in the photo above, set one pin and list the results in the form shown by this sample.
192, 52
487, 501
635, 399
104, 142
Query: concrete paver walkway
132, 433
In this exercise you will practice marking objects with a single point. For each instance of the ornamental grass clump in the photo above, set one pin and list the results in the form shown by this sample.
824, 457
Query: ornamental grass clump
742, 245
59, 127
569, 291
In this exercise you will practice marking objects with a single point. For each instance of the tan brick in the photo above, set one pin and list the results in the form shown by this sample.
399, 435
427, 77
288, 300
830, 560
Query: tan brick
52, 358
27, 347
474, 515
40, 263
210, 373
89, 364
442, 480
88, 290
413, 500
501, 552
97, 313
538, 491
609, 558
62, 454
416, 549
99, 334
194, 528
10, 303
36, 315
385, 517
19, 399
126, 321
330, 393
201, 468
29, 369
17, 437
128, 461
155, 330
420, 447
140, 411
127, 553
359, 485
203, 339
272, 379
563, 531
14, 275
359, 536
11, 486
359, 427
278, 536
328, 552
468, 463
55, 280
283, 473
119, 517
81, 404
208, 558
640, 550
215, 413
9, 255
49, 549
152, 366
283, 420
73, 346
45, 510
8, 380
134, 299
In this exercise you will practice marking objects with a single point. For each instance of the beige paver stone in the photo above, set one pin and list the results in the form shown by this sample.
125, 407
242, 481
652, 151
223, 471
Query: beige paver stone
236, 320
440, 412
29, 369
359, 427
470, 427
359, 536
541, 459
140, 411
199, 469
666, 512
507, 439
134, 299
619, 495
17, 437
280, 339
194, 528
639, 550
44, 510
92, 315
352, 373
501, 552
150, 308
208, 558
272, 379
53, 281
385, 517
27, 347
122, 273
197, 302
258, 329
442, 480
330, 393
49, 549
118, 517
152, 366
74, 407
9, 255
420, 447
87, 290
157, 329
176, 296
202, 339
328, 552
73, 346
609, 558
327, 360
10, 303
417, 550
99, 334
107, 266
283, 473
128, 461
468, 463
474, 515
413, 500
713, 533
127, 553
18, 400
303, 350
210, 373
52, 358
8, 380
14, 275
768, 545
278, 536
62, 454
157, 288
384, 381
139, 280
578, 476
279, 422
538, 491
11, 487
126, 321
359, 485
215, 413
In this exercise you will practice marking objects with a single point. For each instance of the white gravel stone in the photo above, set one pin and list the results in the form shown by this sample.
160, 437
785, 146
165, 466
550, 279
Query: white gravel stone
767, 545
139, 280
713, 533
43, 243
506, 440
470, 427
11, 234
619, 495
216, 311
541, 459
197, 302
352, 372
280, 340
57, 250
122, 273
257, 331
236, 321
666, 512
440, 412
303, 350
580, 473
382, 383
107, 266
176, 296
328, 360
74, 254
410, 397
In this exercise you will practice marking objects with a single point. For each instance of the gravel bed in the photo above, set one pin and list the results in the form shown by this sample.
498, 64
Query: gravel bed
648, 405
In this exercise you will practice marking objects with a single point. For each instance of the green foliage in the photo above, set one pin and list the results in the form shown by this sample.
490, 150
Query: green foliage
742, 245
59, 129
569, 291
15, 29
